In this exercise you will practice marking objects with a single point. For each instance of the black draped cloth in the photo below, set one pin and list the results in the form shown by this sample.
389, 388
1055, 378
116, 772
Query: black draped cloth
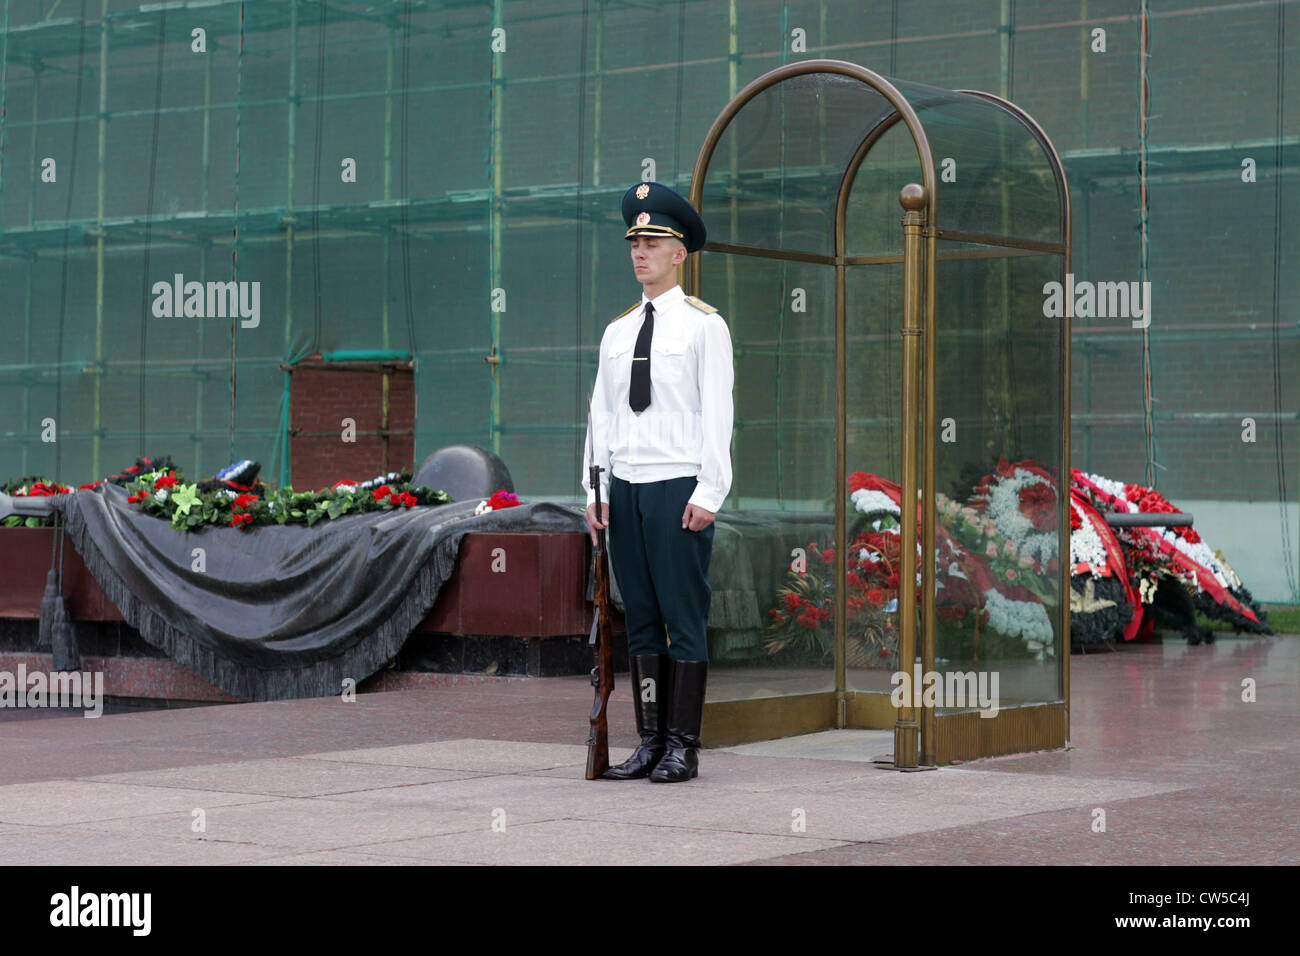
282, 611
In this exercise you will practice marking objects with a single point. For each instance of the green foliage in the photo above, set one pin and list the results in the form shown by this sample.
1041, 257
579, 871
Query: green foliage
167, 495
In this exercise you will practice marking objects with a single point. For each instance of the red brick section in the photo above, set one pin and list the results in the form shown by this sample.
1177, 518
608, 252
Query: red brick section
131, 677
322, 396
528, 585
537, 589
25, 555
525, 585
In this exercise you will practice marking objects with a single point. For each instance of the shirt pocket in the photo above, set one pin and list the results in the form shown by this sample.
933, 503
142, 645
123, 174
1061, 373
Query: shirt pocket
618, 358
669, 358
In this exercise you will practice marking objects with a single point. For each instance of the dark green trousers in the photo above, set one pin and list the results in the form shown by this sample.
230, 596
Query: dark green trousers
662, 569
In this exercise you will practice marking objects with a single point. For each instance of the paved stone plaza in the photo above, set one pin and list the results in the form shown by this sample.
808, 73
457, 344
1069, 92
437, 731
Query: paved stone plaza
490, 772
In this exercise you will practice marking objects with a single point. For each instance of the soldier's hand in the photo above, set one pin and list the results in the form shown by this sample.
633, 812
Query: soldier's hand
592, 524
695, 518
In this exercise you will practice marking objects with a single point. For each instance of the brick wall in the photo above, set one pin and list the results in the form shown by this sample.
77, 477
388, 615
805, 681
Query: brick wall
323, 395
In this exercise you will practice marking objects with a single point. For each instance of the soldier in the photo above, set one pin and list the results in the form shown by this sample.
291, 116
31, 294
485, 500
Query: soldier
661, 427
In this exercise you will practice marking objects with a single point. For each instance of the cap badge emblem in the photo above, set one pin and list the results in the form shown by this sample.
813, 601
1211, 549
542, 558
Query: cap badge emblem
642, 191
642, 218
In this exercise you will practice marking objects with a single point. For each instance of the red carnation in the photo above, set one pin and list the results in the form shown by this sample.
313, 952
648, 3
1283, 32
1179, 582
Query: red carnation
164, 481
382, 492
1038, 504
828, 556
503, 499
792, 603
876, 596
242, 502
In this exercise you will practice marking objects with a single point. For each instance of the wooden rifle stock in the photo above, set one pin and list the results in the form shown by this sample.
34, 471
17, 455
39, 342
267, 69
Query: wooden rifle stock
602, 641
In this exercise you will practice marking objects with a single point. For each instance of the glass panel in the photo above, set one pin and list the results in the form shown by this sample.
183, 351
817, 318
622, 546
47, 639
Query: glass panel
873, 219
771, 625
993, 175
874, 314
999, 619
776, 172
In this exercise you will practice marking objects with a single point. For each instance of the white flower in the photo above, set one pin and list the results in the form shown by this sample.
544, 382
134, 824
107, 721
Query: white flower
1003, 508
1027, 620
869, 501
1112, 487
482, 508
160, 494
1200, 552
1086, 547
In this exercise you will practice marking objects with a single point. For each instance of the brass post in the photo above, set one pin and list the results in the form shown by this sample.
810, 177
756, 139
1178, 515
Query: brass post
929, 485
906, 730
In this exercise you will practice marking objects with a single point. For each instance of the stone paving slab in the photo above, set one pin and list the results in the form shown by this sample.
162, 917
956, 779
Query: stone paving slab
81, 801
350, 858
721, 770
283, 777
77, 846
302, 825
582, 842
1186, 771
862, 746
480, 756
1162, 830
886, 805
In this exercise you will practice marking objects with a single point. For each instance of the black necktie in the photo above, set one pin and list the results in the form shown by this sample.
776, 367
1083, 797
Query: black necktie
639, 394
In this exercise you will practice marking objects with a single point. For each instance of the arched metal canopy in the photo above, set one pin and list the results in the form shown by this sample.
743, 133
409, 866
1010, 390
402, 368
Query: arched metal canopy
780, 186
887, 102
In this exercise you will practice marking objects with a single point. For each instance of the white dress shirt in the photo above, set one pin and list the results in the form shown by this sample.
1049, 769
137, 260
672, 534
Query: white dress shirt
686, 430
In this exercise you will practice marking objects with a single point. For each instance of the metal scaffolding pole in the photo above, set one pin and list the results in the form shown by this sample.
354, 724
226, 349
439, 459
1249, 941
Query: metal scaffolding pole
495, 227
101, 152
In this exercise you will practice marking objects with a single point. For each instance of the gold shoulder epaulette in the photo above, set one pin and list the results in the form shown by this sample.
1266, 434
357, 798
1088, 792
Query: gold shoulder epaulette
621, 314
700, 304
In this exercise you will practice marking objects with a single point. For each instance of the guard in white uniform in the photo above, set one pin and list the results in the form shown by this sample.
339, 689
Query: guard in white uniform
661, 418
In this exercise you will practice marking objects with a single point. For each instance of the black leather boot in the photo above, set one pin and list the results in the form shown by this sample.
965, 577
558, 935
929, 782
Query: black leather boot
681, 759
650, 688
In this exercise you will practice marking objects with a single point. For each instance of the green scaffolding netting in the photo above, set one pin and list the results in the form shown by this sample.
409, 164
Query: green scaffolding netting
490, 144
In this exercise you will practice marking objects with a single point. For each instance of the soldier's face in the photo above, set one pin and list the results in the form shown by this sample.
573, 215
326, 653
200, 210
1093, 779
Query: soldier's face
655, 258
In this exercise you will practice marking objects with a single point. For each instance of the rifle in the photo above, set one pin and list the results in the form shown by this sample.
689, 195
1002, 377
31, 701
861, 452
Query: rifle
602, 638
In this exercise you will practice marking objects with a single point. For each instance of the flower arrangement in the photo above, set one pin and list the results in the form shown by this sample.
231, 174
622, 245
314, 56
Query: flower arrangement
1169, 556
984, 579
34, 486
158, 489
1021, 501
804, 614
188, 506
500, 499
